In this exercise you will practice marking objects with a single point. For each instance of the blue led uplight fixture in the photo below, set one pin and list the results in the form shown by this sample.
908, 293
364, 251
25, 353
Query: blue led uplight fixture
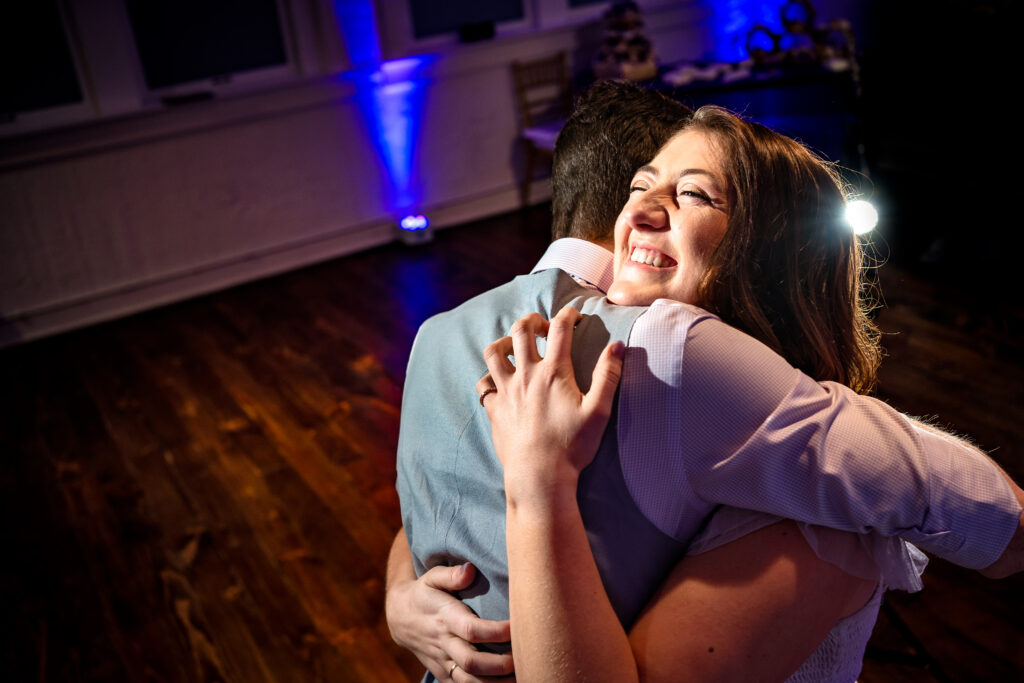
414, 223
415, 229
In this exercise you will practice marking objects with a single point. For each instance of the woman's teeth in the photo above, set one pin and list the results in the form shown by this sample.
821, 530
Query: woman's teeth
649, 257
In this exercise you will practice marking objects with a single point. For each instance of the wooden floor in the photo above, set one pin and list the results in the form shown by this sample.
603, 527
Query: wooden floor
205, 492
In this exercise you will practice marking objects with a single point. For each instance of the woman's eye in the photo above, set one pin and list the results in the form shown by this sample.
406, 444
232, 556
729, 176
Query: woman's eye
637, 188
695, 194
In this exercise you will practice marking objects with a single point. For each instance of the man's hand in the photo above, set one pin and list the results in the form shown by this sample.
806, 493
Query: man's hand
426, 619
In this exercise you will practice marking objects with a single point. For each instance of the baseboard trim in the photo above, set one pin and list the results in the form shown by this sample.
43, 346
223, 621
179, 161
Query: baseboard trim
71, 314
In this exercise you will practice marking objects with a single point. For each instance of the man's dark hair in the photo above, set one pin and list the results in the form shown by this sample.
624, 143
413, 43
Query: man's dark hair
615, 129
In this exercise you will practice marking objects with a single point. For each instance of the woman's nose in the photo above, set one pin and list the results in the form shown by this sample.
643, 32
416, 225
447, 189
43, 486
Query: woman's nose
649, 213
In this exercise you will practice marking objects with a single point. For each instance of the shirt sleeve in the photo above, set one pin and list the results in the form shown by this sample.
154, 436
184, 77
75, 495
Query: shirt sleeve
756, 433
890, 560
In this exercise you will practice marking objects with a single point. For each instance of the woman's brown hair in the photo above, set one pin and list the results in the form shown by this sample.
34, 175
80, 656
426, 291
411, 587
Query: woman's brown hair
789, 270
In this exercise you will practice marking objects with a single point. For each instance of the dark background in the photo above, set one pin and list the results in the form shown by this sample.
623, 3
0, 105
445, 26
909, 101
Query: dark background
941, 136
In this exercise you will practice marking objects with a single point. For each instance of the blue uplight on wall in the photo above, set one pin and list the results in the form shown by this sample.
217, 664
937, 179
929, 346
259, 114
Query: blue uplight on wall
394, 109
732, 20
389, 95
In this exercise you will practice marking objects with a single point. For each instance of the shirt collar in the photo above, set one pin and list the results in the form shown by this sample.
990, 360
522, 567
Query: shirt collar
581, 259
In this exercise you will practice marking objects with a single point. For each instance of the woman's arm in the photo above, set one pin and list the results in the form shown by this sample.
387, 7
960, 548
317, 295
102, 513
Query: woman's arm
563, 626
758, 434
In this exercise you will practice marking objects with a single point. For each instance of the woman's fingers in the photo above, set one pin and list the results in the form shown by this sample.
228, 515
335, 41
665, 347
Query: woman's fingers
520, 344
605, 379
499, 367
524, 335
560, 333
484, 387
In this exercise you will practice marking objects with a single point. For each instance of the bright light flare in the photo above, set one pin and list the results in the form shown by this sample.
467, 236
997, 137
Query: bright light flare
414, 222
862, 216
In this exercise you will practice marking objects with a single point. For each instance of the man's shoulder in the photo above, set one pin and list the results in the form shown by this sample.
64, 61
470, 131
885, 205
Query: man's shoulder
535, 289
449, 346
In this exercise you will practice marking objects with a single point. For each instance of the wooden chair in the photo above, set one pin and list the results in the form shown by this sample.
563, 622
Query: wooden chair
545, 101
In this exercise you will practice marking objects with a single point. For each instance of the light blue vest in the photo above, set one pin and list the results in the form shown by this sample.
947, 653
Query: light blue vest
450, 482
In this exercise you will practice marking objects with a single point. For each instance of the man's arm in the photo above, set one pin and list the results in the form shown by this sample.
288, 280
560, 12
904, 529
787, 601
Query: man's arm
426, 619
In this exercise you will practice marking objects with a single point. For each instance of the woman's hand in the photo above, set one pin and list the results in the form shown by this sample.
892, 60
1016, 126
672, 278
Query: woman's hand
545, 431
426, 619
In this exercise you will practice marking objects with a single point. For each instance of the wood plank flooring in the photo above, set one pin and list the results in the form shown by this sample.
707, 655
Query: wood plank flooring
205, 492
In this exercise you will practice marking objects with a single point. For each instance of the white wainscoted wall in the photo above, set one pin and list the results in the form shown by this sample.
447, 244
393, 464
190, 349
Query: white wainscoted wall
127, 203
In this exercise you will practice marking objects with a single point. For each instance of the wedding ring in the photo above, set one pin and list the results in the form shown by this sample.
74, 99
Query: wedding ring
488, 390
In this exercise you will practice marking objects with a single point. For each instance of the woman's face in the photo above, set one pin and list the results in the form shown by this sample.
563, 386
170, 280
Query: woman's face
675, 217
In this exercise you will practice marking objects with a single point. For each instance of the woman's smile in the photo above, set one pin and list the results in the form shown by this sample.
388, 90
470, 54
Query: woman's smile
649, 256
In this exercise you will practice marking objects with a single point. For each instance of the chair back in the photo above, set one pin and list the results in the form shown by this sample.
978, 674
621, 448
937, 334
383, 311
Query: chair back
543, 90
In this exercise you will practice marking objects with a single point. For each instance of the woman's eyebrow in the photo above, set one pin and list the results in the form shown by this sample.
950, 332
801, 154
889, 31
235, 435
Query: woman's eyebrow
651, 170
697, 171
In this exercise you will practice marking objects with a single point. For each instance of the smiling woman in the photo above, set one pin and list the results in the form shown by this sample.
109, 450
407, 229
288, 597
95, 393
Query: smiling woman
676, 215
750, 225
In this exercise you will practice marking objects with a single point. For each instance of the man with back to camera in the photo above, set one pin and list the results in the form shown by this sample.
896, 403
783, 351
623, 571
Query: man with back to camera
450, 482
